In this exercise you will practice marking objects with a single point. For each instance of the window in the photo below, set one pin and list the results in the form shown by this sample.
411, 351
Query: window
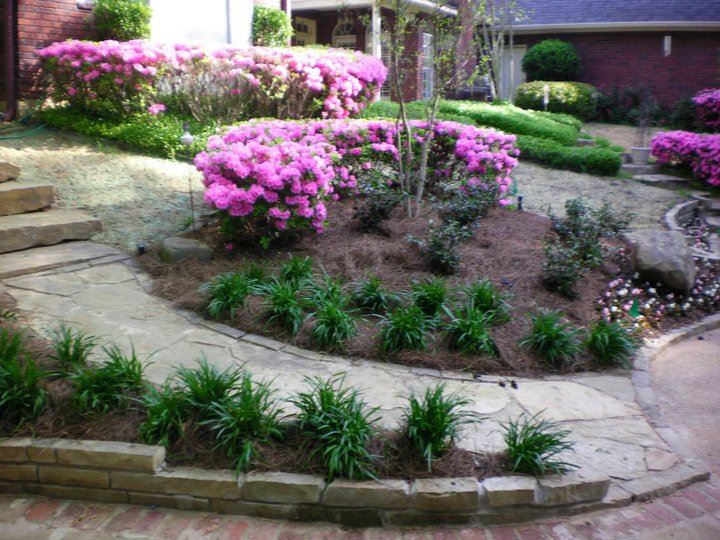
181, 20
343, 36
428, 66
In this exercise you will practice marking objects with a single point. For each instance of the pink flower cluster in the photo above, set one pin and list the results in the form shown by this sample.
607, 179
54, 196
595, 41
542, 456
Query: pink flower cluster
282, 173
707, 105
700, 152
291, 83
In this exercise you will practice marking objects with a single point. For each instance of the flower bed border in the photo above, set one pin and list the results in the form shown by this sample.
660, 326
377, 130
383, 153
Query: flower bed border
681, 213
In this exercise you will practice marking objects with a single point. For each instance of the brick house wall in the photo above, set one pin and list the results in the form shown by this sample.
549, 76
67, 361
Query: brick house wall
635, 59
2, 51
40, 23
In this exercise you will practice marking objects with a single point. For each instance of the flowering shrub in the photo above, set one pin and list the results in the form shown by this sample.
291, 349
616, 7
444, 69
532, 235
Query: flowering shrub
700, 152
110, 77
278, 175
707, 105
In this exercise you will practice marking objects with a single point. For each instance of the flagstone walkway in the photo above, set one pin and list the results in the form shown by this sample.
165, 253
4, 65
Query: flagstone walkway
110, 299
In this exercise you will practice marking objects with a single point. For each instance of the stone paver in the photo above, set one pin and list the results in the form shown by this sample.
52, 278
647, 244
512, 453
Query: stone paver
611, 434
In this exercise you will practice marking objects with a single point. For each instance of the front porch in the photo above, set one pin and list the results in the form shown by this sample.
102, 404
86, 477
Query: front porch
358, 25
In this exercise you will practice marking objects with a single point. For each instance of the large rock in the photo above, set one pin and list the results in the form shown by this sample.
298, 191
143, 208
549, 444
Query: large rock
8, 171
666, 258
177, 248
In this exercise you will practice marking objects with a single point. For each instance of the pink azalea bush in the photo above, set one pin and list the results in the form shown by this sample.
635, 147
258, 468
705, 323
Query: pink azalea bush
707, 105
279, 175
223, 83
700, 152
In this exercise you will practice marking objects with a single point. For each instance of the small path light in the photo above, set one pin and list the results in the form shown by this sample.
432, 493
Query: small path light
521, 198
187, 139
141, 248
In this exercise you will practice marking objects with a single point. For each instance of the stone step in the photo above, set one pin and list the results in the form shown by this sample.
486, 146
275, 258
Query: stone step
635, 169
8, 171
712, 206
40, 259
45, 229
20, 197
713, 221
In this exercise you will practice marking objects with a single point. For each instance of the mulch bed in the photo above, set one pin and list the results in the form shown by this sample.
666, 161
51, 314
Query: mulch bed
507, 248
60, 419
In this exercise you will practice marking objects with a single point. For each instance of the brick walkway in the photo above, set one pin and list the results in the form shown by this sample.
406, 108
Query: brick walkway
692, 513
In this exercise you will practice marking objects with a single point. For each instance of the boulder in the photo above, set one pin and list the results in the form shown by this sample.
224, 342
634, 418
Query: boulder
8, 171
177, 248
666, 258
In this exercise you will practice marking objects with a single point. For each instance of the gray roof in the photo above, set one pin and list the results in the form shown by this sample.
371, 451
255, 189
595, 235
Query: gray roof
634, 11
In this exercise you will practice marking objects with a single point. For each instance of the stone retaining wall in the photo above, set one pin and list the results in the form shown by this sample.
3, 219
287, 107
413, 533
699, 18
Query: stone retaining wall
132, 473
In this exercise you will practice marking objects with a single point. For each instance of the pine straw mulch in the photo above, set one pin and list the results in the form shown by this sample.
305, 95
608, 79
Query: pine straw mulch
507, 248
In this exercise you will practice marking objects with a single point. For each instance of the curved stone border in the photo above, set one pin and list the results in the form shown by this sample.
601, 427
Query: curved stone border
132, 473
680, 214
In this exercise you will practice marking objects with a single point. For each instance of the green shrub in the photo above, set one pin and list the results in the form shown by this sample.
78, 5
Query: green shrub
441, 249
22, 396
155, 135
72, 348
227, 292
583, 159
405, 328
429, 295
248, 417
333, 324
577, 99
468, 332
562, 269
205, 384
611, 344
271, 27
488, 300
166, 410
370, 294
100, 389
380, 199
534, 444
552, 60
432, 422
122, 20
340, 425
285, 307
554, 340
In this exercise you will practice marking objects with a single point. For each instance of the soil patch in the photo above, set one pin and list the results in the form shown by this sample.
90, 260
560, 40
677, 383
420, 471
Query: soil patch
507, 249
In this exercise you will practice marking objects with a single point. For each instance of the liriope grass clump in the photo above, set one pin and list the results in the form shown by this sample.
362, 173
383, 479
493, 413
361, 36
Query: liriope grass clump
611, 344
333, 323
340, 426
227, 292
205, 384
249, 416
405, 328
554, 340
285, 305
484, 297
370, 294
468, 331
72, 348
533, 446
432, 422
430, 295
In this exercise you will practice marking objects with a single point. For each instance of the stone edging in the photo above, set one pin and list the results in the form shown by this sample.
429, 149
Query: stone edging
132, 473
678, 214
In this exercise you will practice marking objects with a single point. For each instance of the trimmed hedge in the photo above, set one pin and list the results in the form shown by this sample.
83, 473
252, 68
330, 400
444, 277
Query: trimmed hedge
271, 27
122, 20
577, 99
513, 119
583, 159
154, 135
601, 160
552, 60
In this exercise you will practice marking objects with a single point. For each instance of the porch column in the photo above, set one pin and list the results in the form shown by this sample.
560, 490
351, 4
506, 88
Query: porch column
376, 31
286, 6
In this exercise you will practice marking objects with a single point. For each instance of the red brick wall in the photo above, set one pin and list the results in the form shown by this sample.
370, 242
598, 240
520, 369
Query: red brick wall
633, 59
41, 22
2, 51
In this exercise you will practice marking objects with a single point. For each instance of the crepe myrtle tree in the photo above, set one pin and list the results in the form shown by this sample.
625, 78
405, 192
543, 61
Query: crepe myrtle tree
453, 68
